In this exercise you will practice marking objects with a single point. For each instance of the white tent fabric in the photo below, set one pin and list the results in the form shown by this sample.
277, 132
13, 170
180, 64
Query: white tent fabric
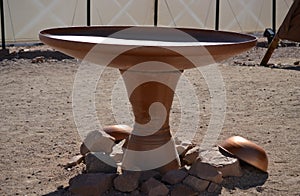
24, 19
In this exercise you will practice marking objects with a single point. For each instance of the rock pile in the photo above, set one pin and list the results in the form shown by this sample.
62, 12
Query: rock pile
202, 170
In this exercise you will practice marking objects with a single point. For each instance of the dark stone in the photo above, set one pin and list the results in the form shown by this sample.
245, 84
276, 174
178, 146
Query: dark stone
182, 189
146, 175
197, 184
100, 162
206, 171
153, 187
127, 182
94, 184
174, 176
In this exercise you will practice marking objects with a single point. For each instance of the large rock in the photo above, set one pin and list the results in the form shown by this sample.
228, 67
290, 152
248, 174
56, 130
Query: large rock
191, 155
205, 171
117, 152
90, 184
197, 184
174, 176
183, 147
97, 141
153, 187
146, 175
127, 182
113, 192
182, 189
228, 166
75, 160
213, 187
100, 162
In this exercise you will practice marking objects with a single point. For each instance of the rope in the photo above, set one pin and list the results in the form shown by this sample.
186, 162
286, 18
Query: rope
286, 3
146, 15
74, 13
99, 16
234, 15
259, 15
11, 23
208, 12
169, 10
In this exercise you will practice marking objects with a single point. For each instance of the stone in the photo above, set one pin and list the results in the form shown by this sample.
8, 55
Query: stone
228, 166
213, 187
117, 157
75, 160
113, 192
135, 193
83, 149
117, 152
153, 187
38, 59
128, 181
174, 176
205, 171
100, 162
180, 149
91, 184
197, 184
183, 147
191, 155
182, 189
97, 141
146, 175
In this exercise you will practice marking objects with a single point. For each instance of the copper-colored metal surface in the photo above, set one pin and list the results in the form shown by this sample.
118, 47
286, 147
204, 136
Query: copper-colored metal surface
134, 46
78, 42
247, 151
119, 132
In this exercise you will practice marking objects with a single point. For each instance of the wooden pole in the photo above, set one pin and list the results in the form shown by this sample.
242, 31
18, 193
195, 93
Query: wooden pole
270, 51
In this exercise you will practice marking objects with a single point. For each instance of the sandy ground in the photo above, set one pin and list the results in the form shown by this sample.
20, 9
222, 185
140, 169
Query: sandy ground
38, 133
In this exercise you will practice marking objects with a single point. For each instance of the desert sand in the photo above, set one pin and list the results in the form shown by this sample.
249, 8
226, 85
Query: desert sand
39, 135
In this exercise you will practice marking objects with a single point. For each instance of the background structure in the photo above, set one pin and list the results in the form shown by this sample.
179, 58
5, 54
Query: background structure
24, 19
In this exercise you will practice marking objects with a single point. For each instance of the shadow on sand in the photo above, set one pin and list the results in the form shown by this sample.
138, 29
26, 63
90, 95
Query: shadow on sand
47, 54
251, 177
59, 192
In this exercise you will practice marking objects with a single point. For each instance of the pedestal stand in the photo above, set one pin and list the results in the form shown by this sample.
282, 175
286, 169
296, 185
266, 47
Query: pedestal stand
151, 94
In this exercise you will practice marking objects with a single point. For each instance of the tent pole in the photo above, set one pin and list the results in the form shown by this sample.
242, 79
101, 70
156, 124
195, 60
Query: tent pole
2, 25
217, 15
274, 15
270, 50
155, 12
88, 13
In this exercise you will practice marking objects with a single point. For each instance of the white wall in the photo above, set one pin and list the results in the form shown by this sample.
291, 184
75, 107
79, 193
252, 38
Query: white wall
25, 18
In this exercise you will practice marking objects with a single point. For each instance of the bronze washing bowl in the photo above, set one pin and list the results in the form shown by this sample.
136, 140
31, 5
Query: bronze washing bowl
247, 151
140, 43
151, 61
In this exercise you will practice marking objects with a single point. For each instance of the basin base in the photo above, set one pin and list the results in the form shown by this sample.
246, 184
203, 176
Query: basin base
150, 145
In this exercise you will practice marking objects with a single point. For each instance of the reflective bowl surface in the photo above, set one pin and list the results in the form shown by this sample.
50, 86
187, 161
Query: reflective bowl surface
247, 151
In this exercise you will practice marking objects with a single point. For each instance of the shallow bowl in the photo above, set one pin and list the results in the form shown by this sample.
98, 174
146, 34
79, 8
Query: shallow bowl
247, 151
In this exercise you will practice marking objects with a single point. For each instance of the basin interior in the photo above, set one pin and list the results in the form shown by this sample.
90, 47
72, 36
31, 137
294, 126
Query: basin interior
163, 44
171, 36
